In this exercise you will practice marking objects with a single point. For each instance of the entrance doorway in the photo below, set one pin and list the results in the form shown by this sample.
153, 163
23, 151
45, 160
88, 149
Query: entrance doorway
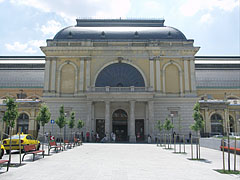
119, 125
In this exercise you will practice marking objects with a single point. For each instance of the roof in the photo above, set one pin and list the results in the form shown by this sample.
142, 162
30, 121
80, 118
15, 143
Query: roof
21, 78
218, 78
29, 75
119, 29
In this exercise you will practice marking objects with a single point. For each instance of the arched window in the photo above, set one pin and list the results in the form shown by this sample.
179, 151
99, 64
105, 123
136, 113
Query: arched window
231, 124
216, 124
23, 123
120, 75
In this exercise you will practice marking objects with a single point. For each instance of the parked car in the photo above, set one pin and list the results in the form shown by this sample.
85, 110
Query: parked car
2, 151
26, 139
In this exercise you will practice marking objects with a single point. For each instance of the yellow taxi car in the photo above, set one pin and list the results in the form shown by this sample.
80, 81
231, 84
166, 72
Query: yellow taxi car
2, 151
26, 139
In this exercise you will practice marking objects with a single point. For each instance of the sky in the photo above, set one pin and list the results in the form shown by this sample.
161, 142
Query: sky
212, 24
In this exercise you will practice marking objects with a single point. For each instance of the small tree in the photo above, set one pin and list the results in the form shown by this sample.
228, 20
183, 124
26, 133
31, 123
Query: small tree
43, 118
80, 125
61, 120
159, 127
168, 126
9, 118
198, 124
71, 122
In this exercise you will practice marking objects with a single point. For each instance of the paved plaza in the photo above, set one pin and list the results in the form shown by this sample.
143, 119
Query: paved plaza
119, 162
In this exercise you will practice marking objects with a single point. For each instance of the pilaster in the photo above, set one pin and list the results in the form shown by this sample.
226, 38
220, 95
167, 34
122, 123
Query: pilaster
151, 71
107, 118
158, 75
186, 76
193, 76
53, 76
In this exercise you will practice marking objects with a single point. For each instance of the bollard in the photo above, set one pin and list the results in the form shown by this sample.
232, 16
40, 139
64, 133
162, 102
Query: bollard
223, 155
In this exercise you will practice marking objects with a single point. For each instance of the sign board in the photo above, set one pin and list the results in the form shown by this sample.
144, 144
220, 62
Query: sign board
52, 121
52, 138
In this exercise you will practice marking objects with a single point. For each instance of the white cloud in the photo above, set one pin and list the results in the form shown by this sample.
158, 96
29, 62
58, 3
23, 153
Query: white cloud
2, 1
190, 7
70, 10
51, 27
30, 47
206, 18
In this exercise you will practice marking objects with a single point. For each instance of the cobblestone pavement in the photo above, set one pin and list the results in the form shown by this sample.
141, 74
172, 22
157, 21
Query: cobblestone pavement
119, 162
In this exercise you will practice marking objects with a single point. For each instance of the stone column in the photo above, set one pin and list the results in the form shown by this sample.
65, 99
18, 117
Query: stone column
88, 74
132, 136
158, 75
81, 74
193, 76
151, 119
186, 76
107, 118
53, 76
93, 123
46, 75
207, 121
146, 121
151, 71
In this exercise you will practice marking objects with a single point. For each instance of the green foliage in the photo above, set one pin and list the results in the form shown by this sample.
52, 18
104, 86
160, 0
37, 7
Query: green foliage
159, 126
71, 122
61, 120
80, 124
44, 115
199, 122
168, 125
11, 113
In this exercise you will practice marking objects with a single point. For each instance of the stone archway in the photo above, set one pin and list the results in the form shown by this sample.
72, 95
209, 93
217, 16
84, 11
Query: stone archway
23, 123
120, 125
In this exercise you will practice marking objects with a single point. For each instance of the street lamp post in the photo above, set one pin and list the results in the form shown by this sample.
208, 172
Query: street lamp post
172, 121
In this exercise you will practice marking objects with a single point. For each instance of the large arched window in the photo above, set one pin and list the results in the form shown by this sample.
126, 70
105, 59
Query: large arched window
216, 124
120, 75
22, 123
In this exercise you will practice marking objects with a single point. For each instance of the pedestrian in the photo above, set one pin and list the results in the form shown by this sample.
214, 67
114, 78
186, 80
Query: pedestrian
190, 136
92, 136
97, 137
88, 136
111, 136
149, 139
114, 137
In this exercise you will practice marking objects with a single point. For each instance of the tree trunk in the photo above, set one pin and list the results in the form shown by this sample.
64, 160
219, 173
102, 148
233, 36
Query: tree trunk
60, 135
43, 139
71, 136
10, 145
196, 145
